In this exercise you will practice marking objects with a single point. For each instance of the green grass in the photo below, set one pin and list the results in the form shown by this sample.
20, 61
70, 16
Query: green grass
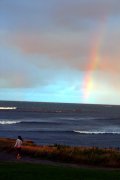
24, 171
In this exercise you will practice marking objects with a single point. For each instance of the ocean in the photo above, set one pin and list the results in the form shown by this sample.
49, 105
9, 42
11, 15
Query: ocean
61, 123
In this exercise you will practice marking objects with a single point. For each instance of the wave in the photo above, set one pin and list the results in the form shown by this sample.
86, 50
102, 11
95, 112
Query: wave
60, 131
3, 122
96, 132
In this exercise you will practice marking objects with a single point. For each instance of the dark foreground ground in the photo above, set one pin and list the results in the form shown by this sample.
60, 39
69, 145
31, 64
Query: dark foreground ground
30, 171
30, 168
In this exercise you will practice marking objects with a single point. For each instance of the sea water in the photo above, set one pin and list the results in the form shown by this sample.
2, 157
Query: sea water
93, 125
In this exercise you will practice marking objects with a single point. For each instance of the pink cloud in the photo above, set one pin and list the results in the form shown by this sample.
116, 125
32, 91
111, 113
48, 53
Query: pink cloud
70, 49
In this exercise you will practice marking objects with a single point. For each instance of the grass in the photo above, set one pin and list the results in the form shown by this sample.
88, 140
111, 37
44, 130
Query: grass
79, 155
18, 171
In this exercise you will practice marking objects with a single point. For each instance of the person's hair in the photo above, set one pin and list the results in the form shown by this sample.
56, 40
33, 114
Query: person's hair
19, 137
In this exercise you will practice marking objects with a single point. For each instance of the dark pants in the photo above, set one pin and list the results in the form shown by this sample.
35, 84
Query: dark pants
18, 150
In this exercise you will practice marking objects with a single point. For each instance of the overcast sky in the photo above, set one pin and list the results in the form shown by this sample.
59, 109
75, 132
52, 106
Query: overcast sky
60, 51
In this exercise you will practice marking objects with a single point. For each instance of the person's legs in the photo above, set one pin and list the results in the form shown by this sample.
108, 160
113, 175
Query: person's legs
18, 153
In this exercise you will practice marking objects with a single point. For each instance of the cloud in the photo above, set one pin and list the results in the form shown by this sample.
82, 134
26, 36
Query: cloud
17, 72
61, 14
70, 11
48, 45
26, 15
70, 49
62, 31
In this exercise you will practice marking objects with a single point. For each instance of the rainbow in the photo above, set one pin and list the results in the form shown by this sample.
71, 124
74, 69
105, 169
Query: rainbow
94, 63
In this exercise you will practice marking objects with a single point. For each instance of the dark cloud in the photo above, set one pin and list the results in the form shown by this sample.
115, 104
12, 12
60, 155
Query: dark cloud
48, 15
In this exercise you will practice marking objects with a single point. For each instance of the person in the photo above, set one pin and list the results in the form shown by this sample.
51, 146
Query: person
18, 146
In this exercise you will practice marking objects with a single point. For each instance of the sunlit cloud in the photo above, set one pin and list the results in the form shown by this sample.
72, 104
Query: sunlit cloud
48, 49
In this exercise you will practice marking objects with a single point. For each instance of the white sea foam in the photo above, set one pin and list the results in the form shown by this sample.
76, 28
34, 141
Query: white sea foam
3, 122
7, 108
96, 132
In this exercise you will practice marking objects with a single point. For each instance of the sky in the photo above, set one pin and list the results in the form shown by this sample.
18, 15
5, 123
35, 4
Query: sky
60, 51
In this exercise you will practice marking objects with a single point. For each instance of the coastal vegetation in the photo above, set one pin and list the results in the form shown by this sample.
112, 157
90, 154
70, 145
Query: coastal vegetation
93, 156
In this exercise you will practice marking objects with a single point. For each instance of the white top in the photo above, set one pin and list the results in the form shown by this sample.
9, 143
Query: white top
18, 143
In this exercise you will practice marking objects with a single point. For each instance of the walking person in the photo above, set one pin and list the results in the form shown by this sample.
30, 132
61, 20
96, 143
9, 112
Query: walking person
18, 146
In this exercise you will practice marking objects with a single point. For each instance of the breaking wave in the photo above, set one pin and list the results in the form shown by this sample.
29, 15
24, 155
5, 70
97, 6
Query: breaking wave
96, 132
8, 122
3, 122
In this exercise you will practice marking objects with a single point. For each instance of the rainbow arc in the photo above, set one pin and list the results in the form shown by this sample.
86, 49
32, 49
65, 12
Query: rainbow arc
95, 60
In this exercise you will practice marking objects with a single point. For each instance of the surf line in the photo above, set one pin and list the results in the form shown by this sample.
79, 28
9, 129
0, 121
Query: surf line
4, 108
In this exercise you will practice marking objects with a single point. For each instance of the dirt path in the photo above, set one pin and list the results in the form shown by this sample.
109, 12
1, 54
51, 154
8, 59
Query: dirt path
7, 157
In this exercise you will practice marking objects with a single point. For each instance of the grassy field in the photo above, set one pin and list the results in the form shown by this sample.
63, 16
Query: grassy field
91, 156
24, 171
